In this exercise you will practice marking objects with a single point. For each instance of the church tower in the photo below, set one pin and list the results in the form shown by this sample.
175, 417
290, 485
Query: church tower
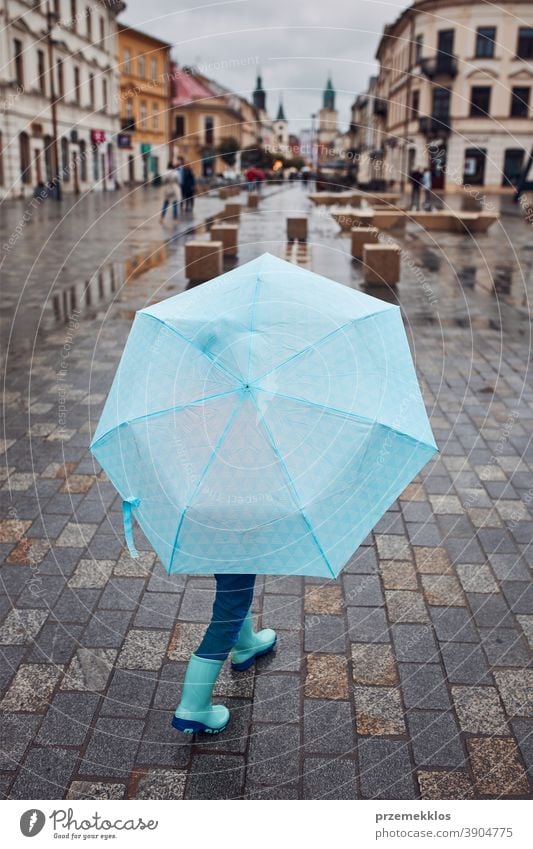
281, 129
259, 95
327, 123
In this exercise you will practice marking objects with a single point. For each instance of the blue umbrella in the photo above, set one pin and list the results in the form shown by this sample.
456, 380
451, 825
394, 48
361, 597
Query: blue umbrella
263, 422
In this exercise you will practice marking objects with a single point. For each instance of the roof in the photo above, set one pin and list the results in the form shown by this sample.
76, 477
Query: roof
124, 28
185, 87
281, 114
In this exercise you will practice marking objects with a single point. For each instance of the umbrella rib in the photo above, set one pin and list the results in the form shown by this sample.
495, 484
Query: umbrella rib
212, 360
293, 488
167, 410
212, 456
317, 343
252, 324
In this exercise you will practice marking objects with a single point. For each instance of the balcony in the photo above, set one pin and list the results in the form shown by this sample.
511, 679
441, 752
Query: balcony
380, 107
433, 126
441, 65
127, 125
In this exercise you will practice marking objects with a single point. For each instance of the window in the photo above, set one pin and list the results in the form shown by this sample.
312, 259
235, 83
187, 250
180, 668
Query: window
73, 15
25, 162
65, 165
513, 161
104, 93
155, 116
154, 69
88, 15
209, 130
415, 103
76, 84
57, 8
480, 101
91, 89
520, 101
141, 70
179, 126
60, 78
127, 60
19, 62
102, 30
41, 72
83, 161
524, 48
485, 38
419, 44
445, 39
96, 170
441, 105
143, 113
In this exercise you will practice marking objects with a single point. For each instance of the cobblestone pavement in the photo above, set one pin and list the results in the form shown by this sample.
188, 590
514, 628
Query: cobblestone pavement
409, 677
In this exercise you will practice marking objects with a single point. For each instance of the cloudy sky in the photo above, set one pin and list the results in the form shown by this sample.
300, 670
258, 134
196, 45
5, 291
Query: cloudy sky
295, 45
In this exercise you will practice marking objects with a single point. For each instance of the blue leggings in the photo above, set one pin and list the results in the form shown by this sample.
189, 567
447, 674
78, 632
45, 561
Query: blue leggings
232, 602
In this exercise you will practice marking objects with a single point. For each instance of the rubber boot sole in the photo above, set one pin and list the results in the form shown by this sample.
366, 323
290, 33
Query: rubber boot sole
240, 667
190, 726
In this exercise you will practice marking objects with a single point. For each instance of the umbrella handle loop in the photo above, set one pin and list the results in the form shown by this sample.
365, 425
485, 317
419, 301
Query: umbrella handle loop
127, 516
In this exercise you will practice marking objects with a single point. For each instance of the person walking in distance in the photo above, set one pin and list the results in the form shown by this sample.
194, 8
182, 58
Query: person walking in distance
427, 183
188, 184
415, 178
171, 192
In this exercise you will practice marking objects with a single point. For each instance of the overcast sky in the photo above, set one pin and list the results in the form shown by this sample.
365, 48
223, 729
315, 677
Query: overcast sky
294, 44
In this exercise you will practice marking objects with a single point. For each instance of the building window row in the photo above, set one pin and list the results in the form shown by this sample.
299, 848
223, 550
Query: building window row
485, 41
73, 161
127, 65
480, 101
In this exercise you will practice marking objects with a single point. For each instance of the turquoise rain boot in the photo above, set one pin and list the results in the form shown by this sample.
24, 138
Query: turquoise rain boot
195, 712
251, 645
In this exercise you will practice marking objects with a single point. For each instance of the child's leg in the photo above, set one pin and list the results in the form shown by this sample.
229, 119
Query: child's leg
232, 602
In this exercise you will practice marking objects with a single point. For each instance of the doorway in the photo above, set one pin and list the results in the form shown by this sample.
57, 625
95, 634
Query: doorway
474, 167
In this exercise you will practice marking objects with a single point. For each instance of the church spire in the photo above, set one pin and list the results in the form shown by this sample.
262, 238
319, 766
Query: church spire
259, 95
329, 95
281, 114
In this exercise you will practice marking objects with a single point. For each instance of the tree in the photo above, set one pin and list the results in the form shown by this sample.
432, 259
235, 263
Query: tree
228, 149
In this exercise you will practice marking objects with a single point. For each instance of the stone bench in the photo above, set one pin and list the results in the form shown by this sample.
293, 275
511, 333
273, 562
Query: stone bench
297, 229
390, 219
381, 264
253, 200
473, 222
203, 260
440, 219
228, 234
362, 236
232, 212
349, 217
386, 219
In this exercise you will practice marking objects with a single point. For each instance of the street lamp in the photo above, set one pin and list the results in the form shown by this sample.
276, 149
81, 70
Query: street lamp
52, 19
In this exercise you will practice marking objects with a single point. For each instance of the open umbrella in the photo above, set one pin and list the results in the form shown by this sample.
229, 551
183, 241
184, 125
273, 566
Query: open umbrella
263, 422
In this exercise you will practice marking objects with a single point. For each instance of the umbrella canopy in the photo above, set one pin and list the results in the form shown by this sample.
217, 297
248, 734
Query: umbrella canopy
263, 422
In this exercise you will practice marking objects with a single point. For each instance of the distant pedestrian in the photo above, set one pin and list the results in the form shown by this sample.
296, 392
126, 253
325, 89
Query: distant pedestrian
427, 184
171, 192
415, 179
188, 184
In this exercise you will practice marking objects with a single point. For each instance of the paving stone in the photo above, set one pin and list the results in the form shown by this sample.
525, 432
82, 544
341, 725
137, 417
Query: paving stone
237, 684
287, 655
479, 710
397, 575
490, 610
106, 629
234, 740
215, 777
185, 639
453, 624
17, 730
443, 590
362, 590
424, 686
504, 647
274, 754
497, 768
161, 745
76, 605
45, 773
60, 561
280, 611
129, 694
373, 664
444, 785
324, 634
363, 562
112, 748
378, 710
328, 727
508, 567
385, 770
283, 584
523, 731
435, 739
95, 790
76, 534
31, 688
526, 623
323, 600
130, 567
277, 698
89, 669
392, 547
519, 596
464, 551
367, 625
414, 643
516, 691
476, 578
161, 784
143, 649
91, 573
21, 626
67, 719
157, 610
329, 779
121, 594
41, 591
465, 663
56, 643
327, 677
405, 606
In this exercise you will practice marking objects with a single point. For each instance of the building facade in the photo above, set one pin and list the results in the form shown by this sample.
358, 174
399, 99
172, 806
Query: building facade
62, 54
454, 92
143, 141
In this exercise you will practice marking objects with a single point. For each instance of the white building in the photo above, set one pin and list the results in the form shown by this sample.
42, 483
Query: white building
78, 39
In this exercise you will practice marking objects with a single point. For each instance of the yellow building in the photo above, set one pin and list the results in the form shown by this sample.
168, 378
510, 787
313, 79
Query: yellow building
144, 63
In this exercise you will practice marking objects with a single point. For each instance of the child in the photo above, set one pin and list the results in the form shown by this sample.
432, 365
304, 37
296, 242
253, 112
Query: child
171, 192
230, 629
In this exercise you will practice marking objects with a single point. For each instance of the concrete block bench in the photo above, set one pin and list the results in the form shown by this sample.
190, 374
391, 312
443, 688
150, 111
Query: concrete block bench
440, 219
362, 236
381, 264
297, 229
349, 218
473, 222
228, 234
232, 212
203, 260
253, 200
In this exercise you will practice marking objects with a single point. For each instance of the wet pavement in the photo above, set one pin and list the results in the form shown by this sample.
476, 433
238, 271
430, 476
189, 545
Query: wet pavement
409, 677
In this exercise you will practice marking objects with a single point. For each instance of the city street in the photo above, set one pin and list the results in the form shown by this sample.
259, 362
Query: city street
408, 677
